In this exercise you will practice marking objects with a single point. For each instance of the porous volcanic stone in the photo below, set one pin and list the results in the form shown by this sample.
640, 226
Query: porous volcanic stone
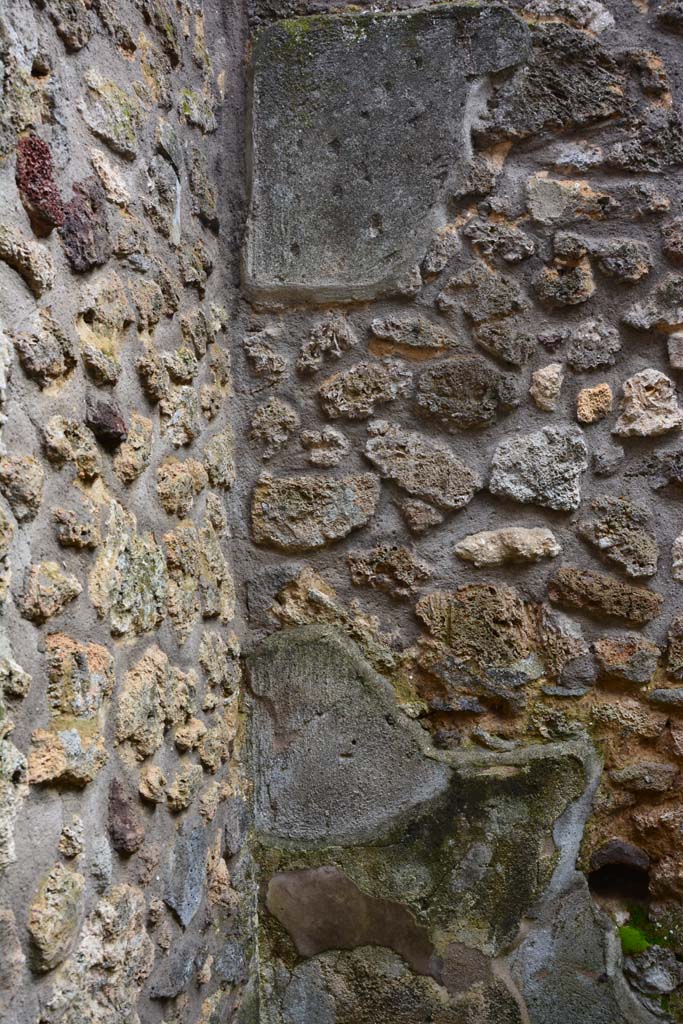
420, 466
543, 468
306, 512
603, 595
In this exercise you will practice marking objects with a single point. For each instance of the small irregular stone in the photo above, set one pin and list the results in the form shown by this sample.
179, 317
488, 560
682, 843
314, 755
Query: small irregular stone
124, 825
649, 406
509, 544
464, 392
31, 261
388, 567
594, 404
620, 530
48, 590
47, 355
307, 512
542, 468
134, 455
424, 468
67, 440
326, 447
546, 385
355, 393
629, 659
272, 426
85, 231
603, 595
55, 917
21, 482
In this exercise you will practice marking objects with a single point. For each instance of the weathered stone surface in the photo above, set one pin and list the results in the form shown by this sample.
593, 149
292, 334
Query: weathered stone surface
555, 201
66, 440
80, 676
483, 294
327, 340
570, 81
543, 468
184, 787
388, 567
21, 482
302, 901
35, 180
179, 483
55, 917
128, 581
186, 871
509, 544
355, 393
111, 114
491, 238
419, 515
629, 659
577, 939
48, 590
420, 466
603, 595
12, 958
85, 231
649, 406
409, 336
307, 512
101, 982
592, 344
464, 392
125, 828
326, 447
219, 459
272, 425
645, 777
78, 526
546, 385
563, 283
594, 404
133, 456
154, 696
355, 247
621, 531
31, 261
504, 340
662, 311
47, 355
104, 417
69, 753
298, 679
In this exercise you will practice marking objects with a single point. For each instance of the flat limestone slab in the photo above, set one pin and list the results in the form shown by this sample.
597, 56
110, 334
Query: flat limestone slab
359, 131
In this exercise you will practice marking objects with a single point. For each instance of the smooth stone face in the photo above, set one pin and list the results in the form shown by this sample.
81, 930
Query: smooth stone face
334, 757
374, 110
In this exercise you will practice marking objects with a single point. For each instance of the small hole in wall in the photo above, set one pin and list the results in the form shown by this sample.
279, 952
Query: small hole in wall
620, 883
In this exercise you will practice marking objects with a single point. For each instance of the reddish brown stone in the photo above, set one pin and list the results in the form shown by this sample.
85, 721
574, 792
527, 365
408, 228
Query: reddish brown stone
105, 419
37, 188
603, 595
85, 232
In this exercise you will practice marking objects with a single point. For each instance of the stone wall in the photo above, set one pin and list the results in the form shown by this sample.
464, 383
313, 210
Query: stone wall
341, 665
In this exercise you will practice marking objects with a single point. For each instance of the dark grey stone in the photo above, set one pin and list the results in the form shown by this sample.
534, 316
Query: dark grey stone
373, 108
334, 758
186, 871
